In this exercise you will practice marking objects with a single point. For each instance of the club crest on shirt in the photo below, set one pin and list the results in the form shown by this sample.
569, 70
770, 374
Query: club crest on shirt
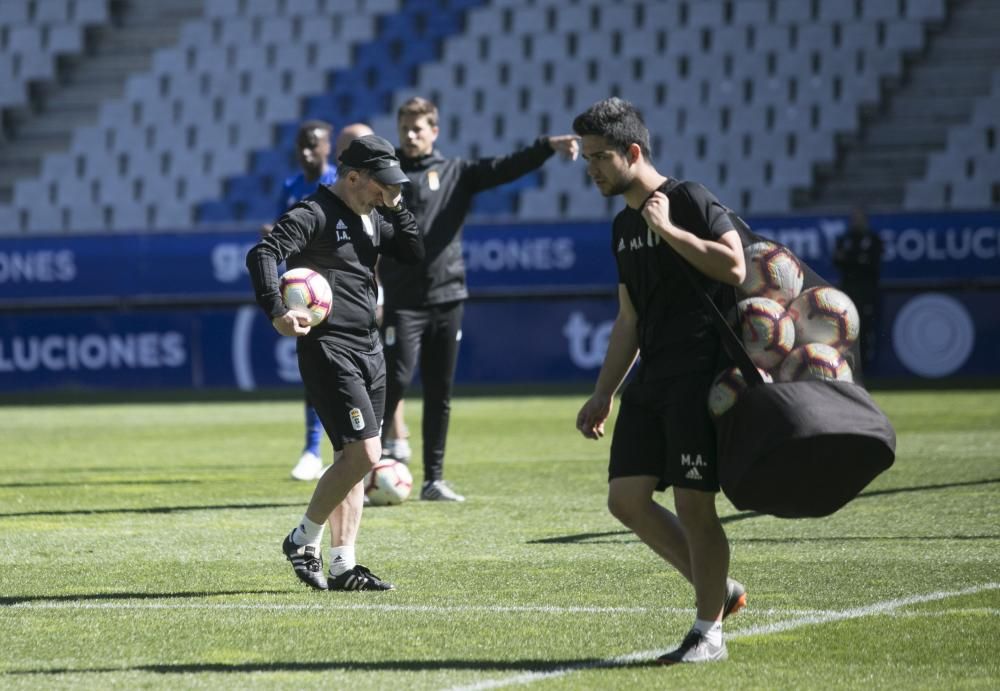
357, 419
433, 181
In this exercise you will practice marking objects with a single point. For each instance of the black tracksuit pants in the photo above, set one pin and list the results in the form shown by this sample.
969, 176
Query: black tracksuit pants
430, 336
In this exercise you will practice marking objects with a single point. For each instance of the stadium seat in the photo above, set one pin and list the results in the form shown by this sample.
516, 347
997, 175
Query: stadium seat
85, 217
52, 11
709, 76
973, 195
924, 10
44, 219
923, 195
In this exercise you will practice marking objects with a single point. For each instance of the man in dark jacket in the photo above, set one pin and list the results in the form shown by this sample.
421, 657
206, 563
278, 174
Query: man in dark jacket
424, 302
339, 232
858, 256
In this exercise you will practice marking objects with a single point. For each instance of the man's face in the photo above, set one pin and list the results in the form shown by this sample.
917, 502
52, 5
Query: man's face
606, 166
369, 192
312, 151
416, 135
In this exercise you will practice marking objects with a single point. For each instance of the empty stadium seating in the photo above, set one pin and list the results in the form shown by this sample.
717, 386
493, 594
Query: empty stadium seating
966, 174
33, 35
750, 96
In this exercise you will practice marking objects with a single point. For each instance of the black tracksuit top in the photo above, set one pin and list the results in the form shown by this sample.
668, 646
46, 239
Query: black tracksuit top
322, 233
440, 195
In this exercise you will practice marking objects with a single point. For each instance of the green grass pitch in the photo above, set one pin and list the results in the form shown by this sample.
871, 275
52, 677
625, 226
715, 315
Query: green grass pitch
140, 548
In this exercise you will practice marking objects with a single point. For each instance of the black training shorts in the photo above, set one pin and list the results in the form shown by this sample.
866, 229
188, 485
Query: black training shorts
346, 387
664, 430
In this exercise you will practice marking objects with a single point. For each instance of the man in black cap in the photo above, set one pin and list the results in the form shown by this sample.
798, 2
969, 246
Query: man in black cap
340, 231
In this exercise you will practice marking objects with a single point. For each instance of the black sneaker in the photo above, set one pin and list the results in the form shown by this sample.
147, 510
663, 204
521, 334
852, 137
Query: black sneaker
736, 598
695, 648
306, 562
358, 578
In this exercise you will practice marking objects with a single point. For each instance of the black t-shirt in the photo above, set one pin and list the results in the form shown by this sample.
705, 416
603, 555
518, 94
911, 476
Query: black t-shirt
676, 334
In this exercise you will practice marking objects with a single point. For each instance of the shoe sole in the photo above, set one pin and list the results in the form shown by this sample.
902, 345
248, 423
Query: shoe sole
740, 603
667, 663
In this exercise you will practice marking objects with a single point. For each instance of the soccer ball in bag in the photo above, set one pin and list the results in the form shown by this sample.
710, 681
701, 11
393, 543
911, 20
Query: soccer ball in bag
772, 272
825, 315
307, 291
815, 361
389, 482
767, 331
727, 387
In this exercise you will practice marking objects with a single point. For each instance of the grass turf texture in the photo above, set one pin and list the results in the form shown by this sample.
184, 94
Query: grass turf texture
140, 548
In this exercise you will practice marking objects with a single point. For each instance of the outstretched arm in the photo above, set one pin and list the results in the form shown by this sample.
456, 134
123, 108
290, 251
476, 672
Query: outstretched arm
487, 173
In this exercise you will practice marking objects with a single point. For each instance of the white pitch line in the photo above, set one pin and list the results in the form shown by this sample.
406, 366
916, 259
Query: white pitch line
382, 607
879, 608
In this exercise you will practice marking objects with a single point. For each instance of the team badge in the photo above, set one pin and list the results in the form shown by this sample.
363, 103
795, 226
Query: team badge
433, 181
357, 419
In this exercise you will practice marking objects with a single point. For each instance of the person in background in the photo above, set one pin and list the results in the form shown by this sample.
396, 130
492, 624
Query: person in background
858, 257
340, 232
424, 302
664, 436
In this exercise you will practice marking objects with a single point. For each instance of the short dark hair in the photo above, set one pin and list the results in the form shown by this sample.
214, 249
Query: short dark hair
618, 121
419, 106
343, 169
310, 126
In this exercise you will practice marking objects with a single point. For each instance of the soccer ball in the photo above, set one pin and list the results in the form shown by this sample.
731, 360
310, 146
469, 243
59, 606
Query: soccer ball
389, 482
772, 272
307, 291
825, 315
815, 361
767, 330
726, 388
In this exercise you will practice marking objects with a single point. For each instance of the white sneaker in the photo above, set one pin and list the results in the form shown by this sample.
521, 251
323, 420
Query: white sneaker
695, 648
438, 490
397, 449
309, 467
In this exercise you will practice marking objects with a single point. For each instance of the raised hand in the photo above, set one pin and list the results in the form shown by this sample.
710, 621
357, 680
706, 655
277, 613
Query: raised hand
566, 145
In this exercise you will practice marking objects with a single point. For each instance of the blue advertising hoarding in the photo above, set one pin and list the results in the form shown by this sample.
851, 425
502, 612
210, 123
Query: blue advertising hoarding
175, 310
561, 258
929, 335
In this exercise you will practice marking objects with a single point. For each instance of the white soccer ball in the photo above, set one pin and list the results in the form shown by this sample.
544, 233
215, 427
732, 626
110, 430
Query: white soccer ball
307, 291
767, 331
825, 315
388, 483
772, 272
726, 389
815, 361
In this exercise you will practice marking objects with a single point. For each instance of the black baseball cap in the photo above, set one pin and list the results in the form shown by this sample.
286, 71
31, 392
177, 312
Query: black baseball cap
376, 156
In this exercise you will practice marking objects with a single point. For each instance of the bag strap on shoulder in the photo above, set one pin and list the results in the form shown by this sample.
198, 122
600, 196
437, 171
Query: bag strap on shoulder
730, 341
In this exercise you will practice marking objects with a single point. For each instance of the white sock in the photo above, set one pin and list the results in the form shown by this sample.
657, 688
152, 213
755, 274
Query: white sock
341, 559
712, 630
307, 532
